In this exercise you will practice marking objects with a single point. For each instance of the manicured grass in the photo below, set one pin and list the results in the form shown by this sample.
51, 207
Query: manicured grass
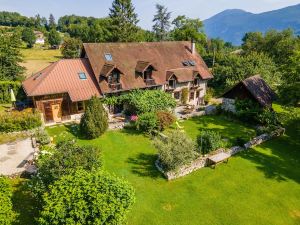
260, 186
4, 107
36, 59
229, 130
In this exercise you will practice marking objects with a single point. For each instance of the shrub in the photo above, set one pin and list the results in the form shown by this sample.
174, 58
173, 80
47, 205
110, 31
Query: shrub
175, 151
147, 122
19, 121
87, 198
6, 212
184, 96
267, 117
290, 94
71, 48
209, 141
141, 101
42, 136
61, 160
165, 119
94, 121
209, 94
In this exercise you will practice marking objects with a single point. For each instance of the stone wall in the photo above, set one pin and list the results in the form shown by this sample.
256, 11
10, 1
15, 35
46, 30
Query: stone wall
203, 161
228, 105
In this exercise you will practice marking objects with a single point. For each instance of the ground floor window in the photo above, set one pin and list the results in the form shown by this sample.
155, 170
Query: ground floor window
80, 106
191, 95
177, 95
197, 94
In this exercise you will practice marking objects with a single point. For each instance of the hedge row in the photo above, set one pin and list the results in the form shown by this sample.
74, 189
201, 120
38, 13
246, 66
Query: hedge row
19, 121
5, 87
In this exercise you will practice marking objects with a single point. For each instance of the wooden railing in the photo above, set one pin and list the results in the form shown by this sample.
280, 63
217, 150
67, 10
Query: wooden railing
115, 86
150, 82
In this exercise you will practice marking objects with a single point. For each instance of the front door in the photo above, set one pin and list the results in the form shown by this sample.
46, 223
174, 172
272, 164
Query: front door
56, 112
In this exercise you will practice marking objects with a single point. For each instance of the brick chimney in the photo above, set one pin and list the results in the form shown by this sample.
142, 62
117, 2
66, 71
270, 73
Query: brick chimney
193, 46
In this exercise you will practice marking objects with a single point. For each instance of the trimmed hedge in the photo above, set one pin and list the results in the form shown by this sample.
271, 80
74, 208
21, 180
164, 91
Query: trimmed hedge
19, 121
6, 212
5, 87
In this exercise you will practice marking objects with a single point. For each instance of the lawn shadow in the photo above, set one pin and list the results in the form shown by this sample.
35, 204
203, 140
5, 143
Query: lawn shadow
74, 129
24, 205
143, 165
283, 162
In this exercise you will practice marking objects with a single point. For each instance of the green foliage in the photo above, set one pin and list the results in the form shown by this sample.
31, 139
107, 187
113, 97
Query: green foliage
71, 48
230, 69
87, 29
19, 121
290, 94
53, 37
175, 151
67, 156
28, 36
123, 21
186, 29
184, 96
209, 141
10, 57
147, 122
209, 94
42, 136
292, 68
94, 121
6, 213
165, 119
51, 23
87, 198
142, 101
250, 112
15, 19
162, 22
5, 87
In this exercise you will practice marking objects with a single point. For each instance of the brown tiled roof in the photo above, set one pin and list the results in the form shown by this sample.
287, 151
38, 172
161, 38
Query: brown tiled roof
258, 88
165, 56
183, 74
141, 66
62, 77
106, 69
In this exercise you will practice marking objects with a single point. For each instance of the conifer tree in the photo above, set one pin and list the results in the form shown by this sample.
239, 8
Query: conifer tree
162, 22
51, 23
124, 21
94, 122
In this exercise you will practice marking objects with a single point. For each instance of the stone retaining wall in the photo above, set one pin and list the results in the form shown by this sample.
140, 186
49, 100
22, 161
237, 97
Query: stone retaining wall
203, 161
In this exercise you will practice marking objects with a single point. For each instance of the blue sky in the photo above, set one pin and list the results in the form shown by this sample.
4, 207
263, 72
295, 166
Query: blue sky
202, 9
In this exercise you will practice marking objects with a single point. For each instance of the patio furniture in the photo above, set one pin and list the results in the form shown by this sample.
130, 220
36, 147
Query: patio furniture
218, 158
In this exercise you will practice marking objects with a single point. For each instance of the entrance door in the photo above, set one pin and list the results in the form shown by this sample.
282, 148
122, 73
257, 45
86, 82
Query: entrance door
56, 112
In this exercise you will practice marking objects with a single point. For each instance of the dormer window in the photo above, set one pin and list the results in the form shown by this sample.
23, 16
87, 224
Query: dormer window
148, 73
114, 77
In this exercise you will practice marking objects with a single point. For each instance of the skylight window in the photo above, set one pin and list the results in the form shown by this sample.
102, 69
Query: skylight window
189, 63
82, 76
108, 57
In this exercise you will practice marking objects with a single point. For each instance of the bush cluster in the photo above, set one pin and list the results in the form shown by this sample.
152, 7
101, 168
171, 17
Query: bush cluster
209, 141
19, 121
175, 151
87, 198
6, 212
151, 121
42, 136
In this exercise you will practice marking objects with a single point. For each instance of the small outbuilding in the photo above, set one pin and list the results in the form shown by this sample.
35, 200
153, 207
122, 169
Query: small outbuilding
254, 88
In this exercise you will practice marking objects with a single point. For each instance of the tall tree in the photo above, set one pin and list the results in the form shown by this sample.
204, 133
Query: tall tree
28, 36
10, 55
124, 21
162, 22
51, 23
71, 48
54, 37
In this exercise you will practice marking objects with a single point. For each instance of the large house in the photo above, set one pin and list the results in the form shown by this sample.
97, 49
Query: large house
60, 90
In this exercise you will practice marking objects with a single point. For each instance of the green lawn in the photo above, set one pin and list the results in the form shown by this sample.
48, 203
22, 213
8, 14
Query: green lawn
260, 186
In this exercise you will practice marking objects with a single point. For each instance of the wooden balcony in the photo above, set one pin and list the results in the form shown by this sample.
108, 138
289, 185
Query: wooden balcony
115, 86
150, 82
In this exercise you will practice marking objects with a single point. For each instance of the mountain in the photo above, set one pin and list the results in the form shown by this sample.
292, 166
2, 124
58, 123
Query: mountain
231, 25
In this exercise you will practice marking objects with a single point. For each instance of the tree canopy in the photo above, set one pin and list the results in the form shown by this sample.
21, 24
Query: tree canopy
162, 22
71, 48
123, 21
28, 37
